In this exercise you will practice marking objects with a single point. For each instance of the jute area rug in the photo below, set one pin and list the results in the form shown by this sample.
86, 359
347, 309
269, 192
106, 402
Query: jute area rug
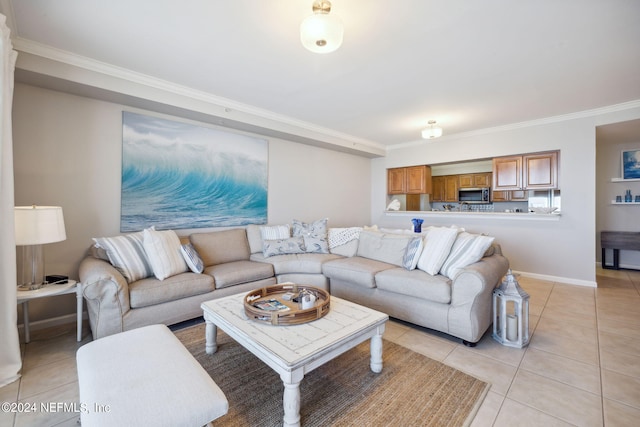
411, 390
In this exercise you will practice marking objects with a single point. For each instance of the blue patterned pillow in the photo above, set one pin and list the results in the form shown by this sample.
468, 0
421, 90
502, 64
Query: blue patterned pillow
292, 245
412, 254
315, 235
192, 258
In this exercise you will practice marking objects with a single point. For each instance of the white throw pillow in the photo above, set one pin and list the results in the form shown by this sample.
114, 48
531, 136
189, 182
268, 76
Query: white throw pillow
275, 232
164, 254
437, 245
467, 249
126, 253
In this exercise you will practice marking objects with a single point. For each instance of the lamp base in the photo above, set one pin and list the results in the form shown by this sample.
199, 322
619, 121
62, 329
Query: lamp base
31, 267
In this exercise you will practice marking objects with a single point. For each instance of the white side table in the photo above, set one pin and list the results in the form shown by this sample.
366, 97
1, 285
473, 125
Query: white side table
49, 291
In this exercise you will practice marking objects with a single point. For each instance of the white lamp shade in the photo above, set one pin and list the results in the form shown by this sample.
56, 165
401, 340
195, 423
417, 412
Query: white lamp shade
37, 225
321, 32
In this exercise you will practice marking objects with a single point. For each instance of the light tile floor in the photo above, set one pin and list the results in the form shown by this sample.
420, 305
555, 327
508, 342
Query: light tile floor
582, 365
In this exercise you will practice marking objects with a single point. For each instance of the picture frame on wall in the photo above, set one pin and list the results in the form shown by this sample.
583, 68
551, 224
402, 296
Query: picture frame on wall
179, 175
631, 164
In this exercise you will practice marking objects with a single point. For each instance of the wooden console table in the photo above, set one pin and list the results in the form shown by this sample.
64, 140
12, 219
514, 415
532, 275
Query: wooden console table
616, 240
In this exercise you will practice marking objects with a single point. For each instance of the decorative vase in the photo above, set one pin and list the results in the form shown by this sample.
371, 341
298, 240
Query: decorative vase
417, 225
628, 197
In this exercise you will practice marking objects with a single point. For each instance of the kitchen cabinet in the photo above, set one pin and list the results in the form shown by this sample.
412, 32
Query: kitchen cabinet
536, 171
474, 180
409, 180
445, 188
451, 188
437, 185
396, 181
510, 196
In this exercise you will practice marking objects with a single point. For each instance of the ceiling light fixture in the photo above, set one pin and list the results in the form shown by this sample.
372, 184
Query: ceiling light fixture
432, 131
321, 32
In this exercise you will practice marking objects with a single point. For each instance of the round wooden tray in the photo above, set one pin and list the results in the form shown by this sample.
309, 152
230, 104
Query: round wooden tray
293, 316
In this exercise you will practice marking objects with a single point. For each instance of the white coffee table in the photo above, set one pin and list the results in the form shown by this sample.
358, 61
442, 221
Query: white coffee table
292, 351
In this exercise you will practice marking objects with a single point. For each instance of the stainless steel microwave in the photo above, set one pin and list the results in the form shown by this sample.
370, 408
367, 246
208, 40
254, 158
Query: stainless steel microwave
474, 195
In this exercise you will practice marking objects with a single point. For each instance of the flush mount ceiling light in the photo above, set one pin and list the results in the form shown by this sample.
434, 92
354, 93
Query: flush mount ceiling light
432, 131
321, 32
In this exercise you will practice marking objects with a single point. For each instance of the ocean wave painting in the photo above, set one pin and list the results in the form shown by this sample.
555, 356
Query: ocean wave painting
177, 175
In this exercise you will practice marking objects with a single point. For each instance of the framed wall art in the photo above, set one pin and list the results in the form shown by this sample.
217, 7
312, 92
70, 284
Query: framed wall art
177, 175
631, 164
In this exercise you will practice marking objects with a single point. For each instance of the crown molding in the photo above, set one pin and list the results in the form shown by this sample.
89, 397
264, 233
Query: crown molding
526, 124
228, 106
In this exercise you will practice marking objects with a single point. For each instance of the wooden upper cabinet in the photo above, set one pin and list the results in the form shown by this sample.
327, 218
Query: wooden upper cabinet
437, 193
419, 180
409, 180
482, 180
537, 171
540, 171
474, 180
396, 181
507, 173
451, 188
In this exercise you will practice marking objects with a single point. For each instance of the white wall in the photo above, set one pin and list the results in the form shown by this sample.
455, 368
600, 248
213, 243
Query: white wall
67, 152
560, 250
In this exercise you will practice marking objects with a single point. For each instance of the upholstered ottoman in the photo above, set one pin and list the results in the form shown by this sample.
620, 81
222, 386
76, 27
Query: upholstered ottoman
145, 376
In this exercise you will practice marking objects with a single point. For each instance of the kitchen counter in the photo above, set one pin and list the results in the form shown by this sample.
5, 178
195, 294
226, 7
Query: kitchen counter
517, 216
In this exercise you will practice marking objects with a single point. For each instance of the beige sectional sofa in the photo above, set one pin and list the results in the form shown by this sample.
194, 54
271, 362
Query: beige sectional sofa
394, 272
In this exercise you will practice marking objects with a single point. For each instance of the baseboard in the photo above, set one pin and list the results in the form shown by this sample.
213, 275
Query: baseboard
621, 266
559, 279
53, 321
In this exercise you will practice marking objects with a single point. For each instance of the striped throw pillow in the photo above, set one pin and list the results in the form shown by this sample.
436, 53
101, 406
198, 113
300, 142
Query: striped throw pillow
126, 254
437, 245
467, 249
163, 252
412, 254
192, 258
275, 232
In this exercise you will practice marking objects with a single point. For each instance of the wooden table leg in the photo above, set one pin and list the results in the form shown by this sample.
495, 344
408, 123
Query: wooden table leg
291, 398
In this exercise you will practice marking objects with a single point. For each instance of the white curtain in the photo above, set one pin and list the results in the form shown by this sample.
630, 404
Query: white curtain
10, 362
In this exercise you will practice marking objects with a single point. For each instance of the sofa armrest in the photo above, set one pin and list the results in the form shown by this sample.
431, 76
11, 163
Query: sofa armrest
471, 297
106, 292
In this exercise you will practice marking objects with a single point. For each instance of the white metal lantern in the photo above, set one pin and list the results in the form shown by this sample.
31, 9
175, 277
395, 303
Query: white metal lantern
511, 313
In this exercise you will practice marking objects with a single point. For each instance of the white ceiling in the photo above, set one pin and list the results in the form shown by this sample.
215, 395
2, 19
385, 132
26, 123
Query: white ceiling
469, 65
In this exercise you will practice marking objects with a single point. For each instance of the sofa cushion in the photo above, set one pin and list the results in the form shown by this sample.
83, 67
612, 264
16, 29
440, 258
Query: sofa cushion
415, 283
254, 237
291, 245
151, 291
219, 247
389, 248
163, 253
467, 249
344, 241
314, 235
126, 254
238, 272
357, 270
296, 263
437, 245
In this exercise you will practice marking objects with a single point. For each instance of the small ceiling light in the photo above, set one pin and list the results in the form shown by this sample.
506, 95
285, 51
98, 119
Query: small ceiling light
432, 131
321, 32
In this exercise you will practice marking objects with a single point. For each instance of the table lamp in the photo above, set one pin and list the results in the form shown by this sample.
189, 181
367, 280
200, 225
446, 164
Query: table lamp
34, 227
